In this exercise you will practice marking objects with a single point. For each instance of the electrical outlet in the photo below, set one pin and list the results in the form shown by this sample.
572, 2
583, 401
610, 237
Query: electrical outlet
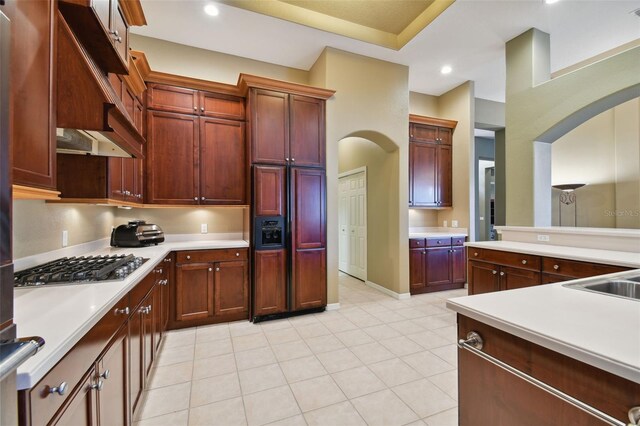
445, 223
65, 238
203, 228
543, 238
454, 223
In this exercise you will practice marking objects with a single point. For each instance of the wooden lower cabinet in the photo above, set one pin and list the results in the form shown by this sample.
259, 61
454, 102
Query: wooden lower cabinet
112, 373
491, 396
270, 294
494, 270
436, 264
82, 408
210, 286
309, 284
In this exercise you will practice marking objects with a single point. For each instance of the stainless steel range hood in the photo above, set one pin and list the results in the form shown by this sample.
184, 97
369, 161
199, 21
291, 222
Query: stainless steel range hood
86, 142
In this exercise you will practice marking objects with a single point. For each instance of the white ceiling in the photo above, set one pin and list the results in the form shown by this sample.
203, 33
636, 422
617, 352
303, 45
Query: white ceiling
469, 35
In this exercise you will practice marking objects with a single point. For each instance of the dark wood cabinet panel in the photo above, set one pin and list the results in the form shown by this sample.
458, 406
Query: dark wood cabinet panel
458, 265
162, 97
270, 281
309, 279
222, 162
309, 209
423, 133
136, 360
172, 153
512, 278
483, 277
113, 399
269, 127
423, 162
221, 106
148, 311
269, 190
82, 409
194, 291
307, 140
33, 92
138, 116
416, 269
231, 288
438, 266
120, 27
571, 269
115, 173
444, 181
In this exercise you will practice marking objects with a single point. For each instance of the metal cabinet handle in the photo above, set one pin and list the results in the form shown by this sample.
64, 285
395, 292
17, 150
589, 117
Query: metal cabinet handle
524, 262
105, 374
210, 269
188, 257
168, 259
60, 389
115, 33
502, 274
165, 282
97, 386
195, 198
158, 271
475, 253
474, 343
202, 109
293, 160
149, 309
286, 159
123, 311
494, 272
195, 108
202, 198
237, 254
118, 39
217, 269
556, 267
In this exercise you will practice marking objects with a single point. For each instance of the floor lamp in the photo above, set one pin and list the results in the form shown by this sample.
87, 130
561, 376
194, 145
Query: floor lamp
568, 197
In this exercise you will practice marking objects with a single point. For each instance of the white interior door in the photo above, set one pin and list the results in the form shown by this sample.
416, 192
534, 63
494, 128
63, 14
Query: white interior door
353, 223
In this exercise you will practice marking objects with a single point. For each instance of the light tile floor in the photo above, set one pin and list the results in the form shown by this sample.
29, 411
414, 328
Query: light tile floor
375, 361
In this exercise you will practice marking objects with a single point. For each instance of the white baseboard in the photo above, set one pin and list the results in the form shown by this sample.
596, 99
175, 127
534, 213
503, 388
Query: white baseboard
399, 296
332, 306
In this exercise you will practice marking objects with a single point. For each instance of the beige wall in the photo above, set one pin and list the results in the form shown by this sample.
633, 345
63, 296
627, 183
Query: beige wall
371, 101
193, 62
382, 173
603, 153
224, 220
38, 226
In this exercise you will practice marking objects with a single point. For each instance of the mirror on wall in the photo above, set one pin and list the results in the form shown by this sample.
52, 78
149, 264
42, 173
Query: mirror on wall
602, 156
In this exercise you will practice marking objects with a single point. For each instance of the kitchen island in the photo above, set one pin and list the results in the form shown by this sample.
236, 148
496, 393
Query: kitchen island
585, 344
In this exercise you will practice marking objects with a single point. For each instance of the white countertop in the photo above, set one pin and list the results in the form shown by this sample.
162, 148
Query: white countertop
610, 257
597, 329
62, 315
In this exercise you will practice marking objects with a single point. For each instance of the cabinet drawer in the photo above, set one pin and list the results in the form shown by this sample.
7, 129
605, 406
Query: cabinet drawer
438, 242
70, 370
221, 255
457, 241
517, 260
575, 269
416, 243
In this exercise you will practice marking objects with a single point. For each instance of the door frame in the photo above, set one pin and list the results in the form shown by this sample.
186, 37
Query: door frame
366, 221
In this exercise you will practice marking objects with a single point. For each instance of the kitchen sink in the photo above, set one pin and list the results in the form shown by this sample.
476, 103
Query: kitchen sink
626, 288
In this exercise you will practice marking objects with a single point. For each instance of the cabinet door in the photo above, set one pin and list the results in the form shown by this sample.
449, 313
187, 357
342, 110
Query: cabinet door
269, 190
172, 157
194, 291
423, 163
309, 279
167, 291
148, 327
269, 126
511, 278
222, 162
129, 102
136, 380
116, 188
307, 138
231, 287
483, 277
113, 401
308, 207
157, 314
270, 292
438, 266
423, 133
416, 269
162, 97
445, 135
138, 116
458, 266
221, 106
33, 92
444, 197
129, 180
119, 25
81, 409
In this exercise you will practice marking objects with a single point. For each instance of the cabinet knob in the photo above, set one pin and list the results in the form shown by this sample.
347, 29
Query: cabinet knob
439, 242
475, 253
424, 252
202, 198
164, 282
237, 254
105, 374
195, 108
286, 159
524, 261
97, 386
556, 267
202, 109
60, 389
293, 160
502, 274
217, 269
123, 311
158, 271
195, 198
168, 259
188, 257
494, 272
210, 269
418, 243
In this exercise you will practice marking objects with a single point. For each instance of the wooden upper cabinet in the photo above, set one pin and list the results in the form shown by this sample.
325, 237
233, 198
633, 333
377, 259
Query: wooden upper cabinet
423, 174
162, 97
269, 190
222, 161
423, 133
269, 127
444, 177
33, 97
221, 106
172, 156
307, 135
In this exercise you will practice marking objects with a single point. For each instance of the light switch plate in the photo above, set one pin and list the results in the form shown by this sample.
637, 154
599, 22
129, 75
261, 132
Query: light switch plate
454, 223
543, 238
203, 228
445, 223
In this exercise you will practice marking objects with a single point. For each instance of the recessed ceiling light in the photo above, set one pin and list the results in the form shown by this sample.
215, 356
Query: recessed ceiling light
551, 1
446, 69
211, 9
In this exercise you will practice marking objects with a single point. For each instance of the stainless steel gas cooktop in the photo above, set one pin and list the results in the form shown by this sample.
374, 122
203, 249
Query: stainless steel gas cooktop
79, 270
